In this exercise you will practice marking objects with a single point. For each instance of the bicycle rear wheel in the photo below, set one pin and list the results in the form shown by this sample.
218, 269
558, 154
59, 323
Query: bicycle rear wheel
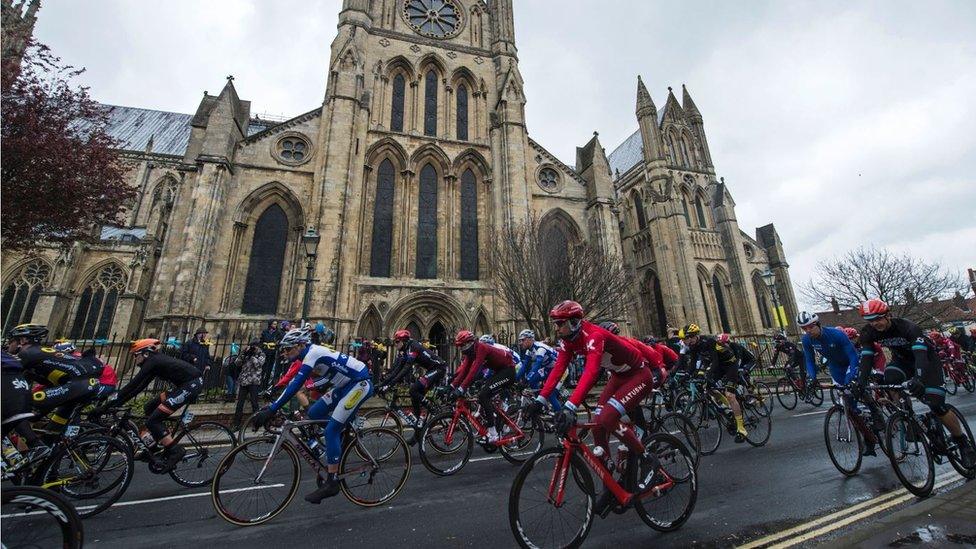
954, 455
534, 518
910, 454
35, 517
668, 486
710, 430
763, 397
246, 434
445, 446
374, 469
950, 384
535, 436
206, 444
91, 471
786, 393
844, 444
677, 425
241, 498
816, 396
384, 418
968, 381
758, 426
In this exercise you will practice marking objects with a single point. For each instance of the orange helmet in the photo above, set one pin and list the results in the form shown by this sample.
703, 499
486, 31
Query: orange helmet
144, 345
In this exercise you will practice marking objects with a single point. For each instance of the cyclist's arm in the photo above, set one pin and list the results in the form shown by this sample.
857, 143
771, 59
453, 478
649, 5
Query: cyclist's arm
775, 356
293, 387
852, 359
809, 357
866, 361
135, 386
400, 369
591, 372
563, 359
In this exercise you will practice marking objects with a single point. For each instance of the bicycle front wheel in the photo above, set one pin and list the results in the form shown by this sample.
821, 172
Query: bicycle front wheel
445, 446
786, 393
91, 471
844, 444
955, 456
534, 437
543, 514
248, 491
950, 384
910, 454
710, 430
668, 485
677, 425
35, 517
374, 469
758, 426
763, 397
206, 444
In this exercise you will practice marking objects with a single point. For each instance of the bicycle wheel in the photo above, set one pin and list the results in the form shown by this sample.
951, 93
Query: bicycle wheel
816, 396
374, 469
844, 444
535, 519
519, 450
246, 434
677, 425
786, 393
950, 384
206, 444
668, 485
835, 398
758, 426
968, 381
954, 456
91, 471
763, 397
384, 418
710, 431
445, 446
690, 406
240, 497
910, 454
35, 517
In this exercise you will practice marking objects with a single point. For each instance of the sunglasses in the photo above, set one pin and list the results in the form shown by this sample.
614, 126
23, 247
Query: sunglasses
560, 323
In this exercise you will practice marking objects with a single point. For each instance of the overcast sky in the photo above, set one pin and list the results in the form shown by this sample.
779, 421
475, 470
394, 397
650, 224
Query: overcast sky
844, 123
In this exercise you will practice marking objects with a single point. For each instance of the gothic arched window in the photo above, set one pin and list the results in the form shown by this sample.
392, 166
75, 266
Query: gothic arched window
396, 116
639, 208
684, 207
462, 112
700, 210
427, 224
430, 103
267, 259
723, 313
686, 157
469, 226
21, 294
671, 150
96, 306
704, 297
382, 244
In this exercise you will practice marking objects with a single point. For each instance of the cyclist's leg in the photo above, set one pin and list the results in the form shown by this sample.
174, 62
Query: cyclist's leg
340, 409
168, 404
498, 381
626, 396
60, 401
17, 412
417, 391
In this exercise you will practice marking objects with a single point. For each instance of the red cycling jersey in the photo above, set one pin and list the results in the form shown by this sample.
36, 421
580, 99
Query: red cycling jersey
481, 354
667, 354
651, 356
601, 349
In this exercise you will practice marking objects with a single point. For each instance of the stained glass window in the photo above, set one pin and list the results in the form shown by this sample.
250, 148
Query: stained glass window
430, 104
427, 224
462, 112
96, 306
382, 244
469, 226
396, 118
21, 294
267, 259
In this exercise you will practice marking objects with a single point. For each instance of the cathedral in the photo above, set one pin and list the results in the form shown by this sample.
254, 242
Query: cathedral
388, 193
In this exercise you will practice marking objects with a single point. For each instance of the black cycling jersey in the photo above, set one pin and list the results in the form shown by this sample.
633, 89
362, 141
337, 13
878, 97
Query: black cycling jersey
794, 355
158, 366
412, 354
742, 353
49, 367
713, 355
909, 347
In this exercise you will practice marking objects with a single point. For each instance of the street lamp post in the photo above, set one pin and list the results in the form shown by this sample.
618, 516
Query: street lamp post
310, 241
770, 279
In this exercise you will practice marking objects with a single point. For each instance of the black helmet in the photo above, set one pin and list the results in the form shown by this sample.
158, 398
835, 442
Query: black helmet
36, 333
610, 327
650, 340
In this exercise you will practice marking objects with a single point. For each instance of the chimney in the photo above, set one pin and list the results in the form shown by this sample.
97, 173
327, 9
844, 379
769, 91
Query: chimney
834, 305
910, 297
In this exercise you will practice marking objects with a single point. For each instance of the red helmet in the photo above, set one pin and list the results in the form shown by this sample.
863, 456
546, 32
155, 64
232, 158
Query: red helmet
401, 335
463, 338
567, 310
873, 309
852, 333
936, 336
723, 338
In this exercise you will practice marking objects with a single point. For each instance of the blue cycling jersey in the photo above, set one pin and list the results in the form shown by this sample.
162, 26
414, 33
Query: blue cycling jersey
834, 345
328, 367
540, 359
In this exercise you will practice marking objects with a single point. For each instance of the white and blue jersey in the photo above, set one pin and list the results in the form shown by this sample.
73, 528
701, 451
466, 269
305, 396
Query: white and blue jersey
539, 359
837, 350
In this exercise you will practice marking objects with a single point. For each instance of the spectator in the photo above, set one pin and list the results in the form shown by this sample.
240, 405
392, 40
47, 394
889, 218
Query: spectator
269, 340
249, 365
196, 351
231, 372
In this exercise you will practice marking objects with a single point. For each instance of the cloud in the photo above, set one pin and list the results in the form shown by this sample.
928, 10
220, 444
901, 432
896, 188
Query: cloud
844, 124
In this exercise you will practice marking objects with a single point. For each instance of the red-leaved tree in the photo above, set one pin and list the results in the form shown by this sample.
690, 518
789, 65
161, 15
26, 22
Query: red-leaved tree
61, 177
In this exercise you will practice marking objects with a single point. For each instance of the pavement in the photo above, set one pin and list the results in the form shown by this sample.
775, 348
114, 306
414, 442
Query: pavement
784, 494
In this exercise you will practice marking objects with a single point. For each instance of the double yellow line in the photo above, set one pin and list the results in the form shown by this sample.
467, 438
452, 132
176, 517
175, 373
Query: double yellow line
839, 519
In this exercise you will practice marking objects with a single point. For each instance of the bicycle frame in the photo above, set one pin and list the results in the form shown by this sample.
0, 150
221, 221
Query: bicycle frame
571, 444
462, 408
287, 435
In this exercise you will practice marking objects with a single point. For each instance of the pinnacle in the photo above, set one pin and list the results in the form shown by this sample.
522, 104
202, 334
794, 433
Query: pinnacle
644, 100
686, 103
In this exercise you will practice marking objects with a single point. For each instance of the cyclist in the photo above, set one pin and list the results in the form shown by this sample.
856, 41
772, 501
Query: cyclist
106, 382
499, 360
187, 384
915, 360
794, 356
653, 358
68, 381
540, 358
947, 348
842, 361
723, 366
412, 353
879, 357
747, 361
350, 383
17, 405
964, 341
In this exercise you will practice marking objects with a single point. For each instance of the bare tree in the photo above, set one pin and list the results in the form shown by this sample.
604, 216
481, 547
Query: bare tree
535, 271
913, 288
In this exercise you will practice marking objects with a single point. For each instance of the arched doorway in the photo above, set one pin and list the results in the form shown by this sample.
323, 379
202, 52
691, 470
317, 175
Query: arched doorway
439, 339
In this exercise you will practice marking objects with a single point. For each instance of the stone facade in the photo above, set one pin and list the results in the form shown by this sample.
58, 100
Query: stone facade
207, 183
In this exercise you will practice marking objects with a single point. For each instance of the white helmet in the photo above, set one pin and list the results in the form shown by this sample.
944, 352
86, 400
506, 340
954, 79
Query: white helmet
295, 337
487, 338
806, 319
526, 334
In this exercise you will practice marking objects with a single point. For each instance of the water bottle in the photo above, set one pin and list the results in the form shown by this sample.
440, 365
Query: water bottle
11, 454
147, 439
622, 453
316, 448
